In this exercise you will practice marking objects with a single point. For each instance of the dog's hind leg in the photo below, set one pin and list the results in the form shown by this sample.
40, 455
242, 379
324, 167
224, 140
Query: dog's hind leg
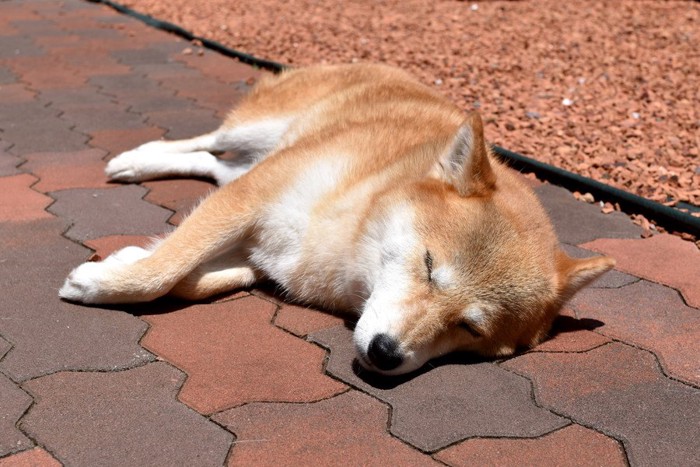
221, 222
193, 157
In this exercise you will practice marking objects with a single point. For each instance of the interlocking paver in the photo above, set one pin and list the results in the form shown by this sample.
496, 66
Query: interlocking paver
663, 258
451, 402
194, 122
232, 355
122, 418
225, 71
219, 97
16, 93
347, 428
620, 391
34, 127
60, 171
301, 321
48, 334
577, 222
13, 403
572, 445
8, 162
19, 203
179, 195
36, 457
569, 334
105, 246
7, 76
117, 141
102, 117
650, 316
100, 212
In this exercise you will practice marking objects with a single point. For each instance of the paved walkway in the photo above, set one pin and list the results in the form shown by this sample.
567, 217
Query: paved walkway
248, 380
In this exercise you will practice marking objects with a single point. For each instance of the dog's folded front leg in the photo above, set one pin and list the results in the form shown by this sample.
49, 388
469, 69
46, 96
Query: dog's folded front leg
135, 275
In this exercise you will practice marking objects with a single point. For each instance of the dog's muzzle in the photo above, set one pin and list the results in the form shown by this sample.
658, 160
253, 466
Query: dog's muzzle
383, 352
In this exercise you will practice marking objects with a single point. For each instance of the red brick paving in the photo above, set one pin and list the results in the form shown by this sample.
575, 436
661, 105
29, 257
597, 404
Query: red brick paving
652, 317
621, 391
60, 171
348, 428
572, 445
36, 457
234, 355
80, 84
664, 258
19, 203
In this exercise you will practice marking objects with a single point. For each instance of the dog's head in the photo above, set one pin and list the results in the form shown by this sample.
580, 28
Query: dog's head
469, 261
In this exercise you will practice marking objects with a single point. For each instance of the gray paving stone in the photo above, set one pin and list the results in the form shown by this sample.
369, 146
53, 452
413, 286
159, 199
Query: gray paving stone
577, 222
48, 334
98, 213
122, 418
13, 403
620, 391
446, 402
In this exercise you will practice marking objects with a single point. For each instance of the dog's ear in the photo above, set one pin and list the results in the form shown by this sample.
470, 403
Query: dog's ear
466, 164
574, 274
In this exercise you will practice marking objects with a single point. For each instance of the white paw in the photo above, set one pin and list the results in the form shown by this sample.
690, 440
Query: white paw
126, 167
90, 282
87, 284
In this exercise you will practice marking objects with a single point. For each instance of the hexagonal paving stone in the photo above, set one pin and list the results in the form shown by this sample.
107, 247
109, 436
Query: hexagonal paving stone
19, 203
225, 71
117, 141
181, 196
651, 316
194, 122
577, 222
105, 246
350, 427
619, 390
101, 212
446, 403
36, 457
569, 334
89, 418
13, 403
60, 171
49, 334
662, 258
233, 355
572, 445
302, 321
8, 162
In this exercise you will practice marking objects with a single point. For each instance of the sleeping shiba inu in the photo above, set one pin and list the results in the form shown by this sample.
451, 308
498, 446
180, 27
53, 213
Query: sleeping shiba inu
355, 188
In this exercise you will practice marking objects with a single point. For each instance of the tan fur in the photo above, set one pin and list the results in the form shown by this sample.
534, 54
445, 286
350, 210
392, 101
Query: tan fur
398, 142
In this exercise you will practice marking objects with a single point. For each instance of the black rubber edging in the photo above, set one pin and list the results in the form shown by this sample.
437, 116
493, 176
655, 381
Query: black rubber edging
665, 216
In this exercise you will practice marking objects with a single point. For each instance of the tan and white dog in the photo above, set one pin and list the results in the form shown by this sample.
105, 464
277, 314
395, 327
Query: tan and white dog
355, 188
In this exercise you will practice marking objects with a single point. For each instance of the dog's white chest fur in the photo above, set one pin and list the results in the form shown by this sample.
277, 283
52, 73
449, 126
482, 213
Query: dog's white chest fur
292, 235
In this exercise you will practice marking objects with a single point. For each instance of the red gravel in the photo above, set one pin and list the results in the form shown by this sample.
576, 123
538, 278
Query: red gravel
607, 89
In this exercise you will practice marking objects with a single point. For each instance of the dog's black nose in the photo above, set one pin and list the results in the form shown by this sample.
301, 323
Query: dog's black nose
384, 353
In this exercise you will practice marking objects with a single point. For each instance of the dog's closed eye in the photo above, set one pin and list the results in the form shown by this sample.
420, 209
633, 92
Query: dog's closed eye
467, 326
429, 265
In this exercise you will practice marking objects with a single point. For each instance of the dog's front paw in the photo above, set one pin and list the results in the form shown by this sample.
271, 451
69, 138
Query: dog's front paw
126, 167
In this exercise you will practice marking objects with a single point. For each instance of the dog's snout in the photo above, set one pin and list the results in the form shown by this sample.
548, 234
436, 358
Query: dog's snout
384, 352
